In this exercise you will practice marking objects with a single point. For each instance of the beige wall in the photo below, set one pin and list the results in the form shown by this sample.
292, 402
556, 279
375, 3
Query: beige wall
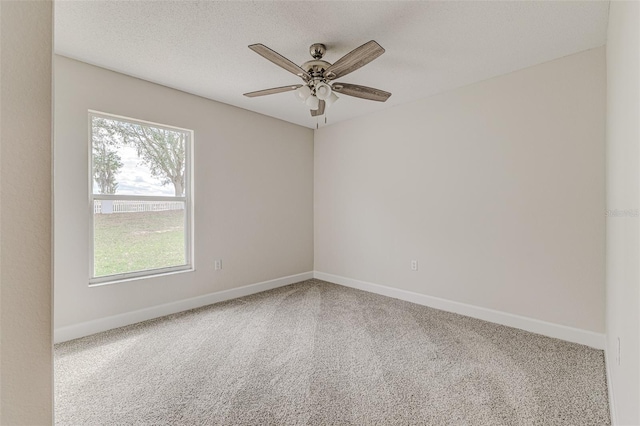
623, 238
25, 213
497, 189
253, 193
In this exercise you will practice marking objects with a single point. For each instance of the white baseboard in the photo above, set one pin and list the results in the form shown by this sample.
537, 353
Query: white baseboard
570, 334
608, 362
584, 337
75, 331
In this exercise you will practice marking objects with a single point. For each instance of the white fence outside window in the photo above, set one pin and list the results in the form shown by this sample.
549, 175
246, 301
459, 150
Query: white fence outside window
134, 206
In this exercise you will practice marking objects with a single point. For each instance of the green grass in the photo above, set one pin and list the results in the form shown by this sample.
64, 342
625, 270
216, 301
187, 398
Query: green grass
128, 242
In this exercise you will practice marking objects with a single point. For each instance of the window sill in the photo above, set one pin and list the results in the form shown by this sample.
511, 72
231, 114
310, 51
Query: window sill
101, 281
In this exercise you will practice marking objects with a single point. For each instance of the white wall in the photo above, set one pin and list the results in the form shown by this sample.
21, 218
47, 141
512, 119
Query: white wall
25, 213
496, 188
623, 238
253, 193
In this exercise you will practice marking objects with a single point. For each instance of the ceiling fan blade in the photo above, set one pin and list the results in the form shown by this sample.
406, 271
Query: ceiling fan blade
272, 90
319, 111
279, 60
363, 92
353, 60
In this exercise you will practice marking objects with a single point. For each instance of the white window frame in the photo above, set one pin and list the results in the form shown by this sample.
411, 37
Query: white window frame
187, 199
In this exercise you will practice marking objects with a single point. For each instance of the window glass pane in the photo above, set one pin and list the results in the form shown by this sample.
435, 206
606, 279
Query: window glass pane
137, 159
131, 236
139, 178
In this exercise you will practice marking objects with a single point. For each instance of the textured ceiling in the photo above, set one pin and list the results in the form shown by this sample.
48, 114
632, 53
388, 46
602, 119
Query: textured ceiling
201, 47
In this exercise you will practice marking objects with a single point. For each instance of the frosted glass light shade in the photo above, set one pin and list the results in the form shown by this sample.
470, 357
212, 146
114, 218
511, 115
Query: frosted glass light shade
302, 93
323, 91
331, 99
312, 102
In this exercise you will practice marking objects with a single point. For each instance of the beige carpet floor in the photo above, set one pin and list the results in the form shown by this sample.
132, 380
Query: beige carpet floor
316, 353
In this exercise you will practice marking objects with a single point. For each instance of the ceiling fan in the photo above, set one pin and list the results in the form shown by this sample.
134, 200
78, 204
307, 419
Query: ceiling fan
319, 88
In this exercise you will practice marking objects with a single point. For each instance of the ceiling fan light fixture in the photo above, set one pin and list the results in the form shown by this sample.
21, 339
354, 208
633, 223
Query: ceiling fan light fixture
303, 93
323, 91
331, 99
312, 102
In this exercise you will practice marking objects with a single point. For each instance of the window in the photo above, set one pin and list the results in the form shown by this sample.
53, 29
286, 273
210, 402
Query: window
140, 198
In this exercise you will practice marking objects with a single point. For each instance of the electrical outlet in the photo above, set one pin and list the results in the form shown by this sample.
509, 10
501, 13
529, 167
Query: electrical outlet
414, 265
217, 264
618, 353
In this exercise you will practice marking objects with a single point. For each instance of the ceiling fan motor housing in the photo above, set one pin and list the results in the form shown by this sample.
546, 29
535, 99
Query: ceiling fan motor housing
316, 67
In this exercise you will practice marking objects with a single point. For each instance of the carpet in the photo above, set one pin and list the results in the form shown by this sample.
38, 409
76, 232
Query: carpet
316, 353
